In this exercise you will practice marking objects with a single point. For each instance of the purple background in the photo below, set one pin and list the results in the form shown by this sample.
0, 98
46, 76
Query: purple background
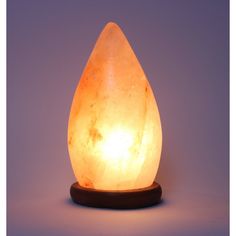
183, 48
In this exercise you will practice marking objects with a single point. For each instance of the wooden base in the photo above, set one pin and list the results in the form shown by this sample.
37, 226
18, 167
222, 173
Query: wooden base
127, 199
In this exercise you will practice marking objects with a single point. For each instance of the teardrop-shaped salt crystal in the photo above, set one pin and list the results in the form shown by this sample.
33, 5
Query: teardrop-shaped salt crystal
114, 132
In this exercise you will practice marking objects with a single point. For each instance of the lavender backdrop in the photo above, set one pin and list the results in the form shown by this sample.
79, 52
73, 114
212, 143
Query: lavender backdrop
183, 47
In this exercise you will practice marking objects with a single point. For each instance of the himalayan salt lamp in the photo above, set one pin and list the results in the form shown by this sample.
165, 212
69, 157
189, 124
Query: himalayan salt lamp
114, 131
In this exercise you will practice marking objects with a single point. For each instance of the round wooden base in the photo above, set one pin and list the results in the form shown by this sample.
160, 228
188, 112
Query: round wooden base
127, 199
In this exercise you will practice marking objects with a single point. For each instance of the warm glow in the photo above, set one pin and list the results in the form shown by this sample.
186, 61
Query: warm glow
116, 145
114, 132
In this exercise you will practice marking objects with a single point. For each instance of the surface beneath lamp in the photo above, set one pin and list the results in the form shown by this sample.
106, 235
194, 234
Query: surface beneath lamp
126, 199
196, 214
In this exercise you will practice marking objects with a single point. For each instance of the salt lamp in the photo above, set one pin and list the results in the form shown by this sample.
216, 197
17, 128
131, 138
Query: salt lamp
114, 131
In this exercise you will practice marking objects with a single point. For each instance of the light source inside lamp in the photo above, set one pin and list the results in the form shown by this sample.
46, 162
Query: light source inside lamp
114, 132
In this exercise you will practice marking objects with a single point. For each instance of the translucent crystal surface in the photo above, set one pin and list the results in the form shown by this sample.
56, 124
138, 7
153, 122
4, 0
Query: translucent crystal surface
114, 132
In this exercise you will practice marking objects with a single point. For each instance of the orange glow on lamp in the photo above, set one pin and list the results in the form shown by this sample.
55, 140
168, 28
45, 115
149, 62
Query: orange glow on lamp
114, 131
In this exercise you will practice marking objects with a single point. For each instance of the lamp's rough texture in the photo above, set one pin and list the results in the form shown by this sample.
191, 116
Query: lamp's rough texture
114, 132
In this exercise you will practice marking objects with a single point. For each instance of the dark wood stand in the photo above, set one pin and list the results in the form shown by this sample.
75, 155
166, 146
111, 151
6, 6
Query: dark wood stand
127, 199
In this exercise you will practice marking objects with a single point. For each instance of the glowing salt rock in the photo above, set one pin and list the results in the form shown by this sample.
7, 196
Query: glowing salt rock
114, 132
